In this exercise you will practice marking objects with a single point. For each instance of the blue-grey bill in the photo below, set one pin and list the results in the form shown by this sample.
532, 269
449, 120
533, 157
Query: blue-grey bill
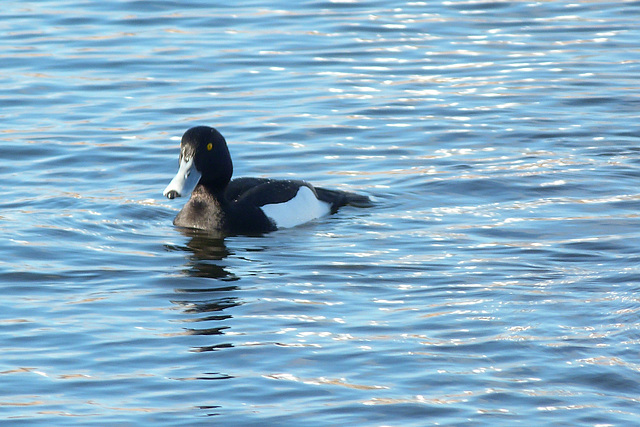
184, 182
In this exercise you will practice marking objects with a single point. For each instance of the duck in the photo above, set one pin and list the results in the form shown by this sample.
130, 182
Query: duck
243, 205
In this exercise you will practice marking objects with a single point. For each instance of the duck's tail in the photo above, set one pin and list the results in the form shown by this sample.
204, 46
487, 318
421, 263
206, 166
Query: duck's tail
339, 198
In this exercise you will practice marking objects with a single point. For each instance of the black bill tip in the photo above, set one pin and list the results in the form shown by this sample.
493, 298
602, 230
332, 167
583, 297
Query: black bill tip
172, 194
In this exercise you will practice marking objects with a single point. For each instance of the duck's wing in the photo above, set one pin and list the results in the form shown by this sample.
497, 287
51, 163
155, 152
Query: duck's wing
262, 191
238, 187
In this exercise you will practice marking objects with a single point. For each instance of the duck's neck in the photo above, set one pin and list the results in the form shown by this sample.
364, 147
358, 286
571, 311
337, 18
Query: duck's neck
216, 192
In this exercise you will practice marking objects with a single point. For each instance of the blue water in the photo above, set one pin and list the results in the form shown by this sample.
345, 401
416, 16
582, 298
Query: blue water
494, 282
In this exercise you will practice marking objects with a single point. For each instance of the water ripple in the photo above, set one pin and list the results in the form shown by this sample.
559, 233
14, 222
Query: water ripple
493, 281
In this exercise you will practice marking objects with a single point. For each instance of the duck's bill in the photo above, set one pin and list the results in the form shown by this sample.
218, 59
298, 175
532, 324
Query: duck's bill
184, 182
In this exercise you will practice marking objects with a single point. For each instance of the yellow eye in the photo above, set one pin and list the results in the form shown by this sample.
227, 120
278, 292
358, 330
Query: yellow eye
209, 146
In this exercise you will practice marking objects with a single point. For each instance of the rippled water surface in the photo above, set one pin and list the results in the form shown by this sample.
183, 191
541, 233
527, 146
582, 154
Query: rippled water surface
494, 282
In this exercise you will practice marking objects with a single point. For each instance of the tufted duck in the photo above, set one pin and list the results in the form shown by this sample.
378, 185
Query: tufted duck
242, 205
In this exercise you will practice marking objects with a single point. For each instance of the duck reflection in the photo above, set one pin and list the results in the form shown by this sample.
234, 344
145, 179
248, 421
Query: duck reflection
207, 250
210, 303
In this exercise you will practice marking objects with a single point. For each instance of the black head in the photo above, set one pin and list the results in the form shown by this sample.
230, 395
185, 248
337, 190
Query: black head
210, 154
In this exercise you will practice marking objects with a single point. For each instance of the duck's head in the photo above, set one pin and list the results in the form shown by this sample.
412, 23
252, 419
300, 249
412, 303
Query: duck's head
205, 159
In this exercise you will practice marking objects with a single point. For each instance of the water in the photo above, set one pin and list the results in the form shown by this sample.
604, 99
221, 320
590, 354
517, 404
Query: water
494, 282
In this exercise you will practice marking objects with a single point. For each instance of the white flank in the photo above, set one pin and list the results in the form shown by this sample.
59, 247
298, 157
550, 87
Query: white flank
302, 208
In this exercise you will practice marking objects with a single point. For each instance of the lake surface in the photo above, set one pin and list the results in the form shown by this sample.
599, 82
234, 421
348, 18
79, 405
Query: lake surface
494, 282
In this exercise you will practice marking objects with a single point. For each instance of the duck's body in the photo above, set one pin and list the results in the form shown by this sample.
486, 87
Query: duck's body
243, 205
